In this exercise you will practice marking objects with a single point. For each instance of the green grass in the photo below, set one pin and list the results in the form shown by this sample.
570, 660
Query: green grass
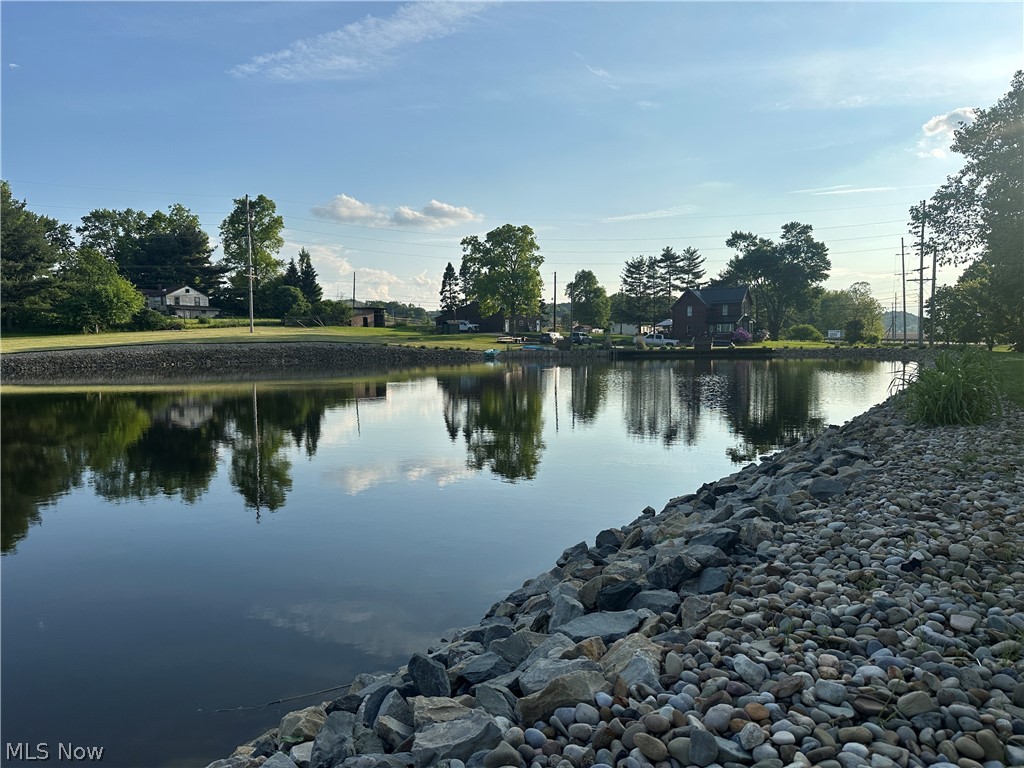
197, 334
1009, 369
961, 388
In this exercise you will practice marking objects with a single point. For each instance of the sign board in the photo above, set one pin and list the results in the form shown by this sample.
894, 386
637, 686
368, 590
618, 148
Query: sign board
835, 334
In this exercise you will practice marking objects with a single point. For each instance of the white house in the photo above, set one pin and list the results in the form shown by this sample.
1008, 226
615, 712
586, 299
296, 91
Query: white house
180, 302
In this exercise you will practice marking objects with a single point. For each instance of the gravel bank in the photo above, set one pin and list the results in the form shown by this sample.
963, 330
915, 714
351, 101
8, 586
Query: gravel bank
853, 601
160, 363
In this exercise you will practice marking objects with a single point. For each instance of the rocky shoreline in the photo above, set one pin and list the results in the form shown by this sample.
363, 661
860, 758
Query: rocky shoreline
854, 601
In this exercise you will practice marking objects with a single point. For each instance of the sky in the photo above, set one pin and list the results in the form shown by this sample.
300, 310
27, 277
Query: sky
385, 133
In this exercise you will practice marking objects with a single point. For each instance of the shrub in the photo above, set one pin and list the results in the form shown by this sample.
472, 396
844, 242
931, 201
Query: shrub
961, 388
762, 335
151, 320
803, 332
741, 336
204, 320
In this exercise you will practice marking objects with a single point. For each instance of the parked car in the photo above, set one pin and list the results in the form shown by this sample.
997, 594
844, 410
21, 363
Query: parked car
467, 327
552, 337
658, 340
581, 337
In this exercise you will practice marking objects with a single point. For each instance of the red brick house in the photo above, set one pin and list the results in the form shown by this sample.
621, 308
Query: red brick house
712, 313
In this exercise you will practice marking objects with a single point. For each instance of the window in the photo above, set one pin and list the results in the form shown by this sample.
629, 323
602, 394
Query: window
177, 300
725, 310
689, 311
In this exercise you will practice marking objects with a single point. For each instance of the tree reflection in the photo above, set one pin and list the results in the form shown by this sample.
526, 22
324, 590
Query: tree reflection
500, 416
138, 445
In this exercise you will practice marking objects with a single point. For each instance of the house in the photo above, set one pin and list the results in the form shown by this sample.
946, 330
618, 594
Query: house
496, 323
182, 301
369, 317
712, 313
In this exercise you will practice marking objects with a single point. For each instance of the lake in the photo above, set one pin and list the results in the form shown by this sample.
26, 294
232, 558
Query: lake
173, 551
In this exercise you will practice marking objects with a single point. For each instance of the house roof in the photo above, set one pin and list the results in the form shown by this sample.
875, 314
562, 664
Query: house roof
166, 291
722, 294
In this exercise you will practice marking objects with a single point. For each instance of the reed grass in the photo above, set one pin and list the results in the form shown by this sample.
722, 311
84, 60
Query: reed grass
961, 388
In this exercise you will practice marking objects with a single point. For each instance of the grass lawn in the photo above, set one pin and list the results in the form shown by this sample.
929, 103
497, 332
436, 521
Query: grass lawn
197, 334
1010, 368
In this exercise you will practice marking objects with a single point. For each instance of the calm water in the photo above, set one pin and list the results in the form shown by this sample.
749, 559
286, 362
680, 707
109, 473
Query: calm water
172, 552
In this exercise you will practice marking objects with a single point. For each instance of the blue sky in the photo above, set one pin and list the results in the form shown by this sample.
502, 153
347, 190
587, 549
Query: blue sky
387, 132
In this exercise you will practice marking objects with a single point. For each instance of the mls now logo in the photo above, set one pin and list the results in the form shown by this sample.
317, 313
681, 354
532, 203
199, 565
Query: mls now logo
65, 751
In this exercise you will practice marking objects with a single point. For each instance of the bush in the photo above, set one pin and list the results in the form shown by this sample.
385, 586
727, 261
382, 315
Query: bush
803, 332
204, 320
741, 336
762, 335
960, 389
151, 320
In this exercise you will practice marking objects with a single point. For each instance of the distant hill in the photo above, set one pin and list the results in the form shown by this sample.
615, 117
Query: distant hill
895, 320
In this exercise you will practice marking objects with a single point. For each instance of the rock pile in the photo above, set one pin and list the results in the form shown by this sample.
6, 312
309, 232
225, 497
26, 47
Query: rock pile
854, 601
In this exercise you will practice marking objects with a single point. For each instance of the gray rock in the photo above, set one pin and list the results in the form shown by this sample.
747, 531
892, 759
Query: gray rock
655, 600
396, 707
430, 676
517, 646
703, 748
538, 676
486, 666
392, 732
301, 754
335, 742
615, 597
723, 538
824, 488
496, 700
300, 726
458, 739
672, 569
564, 610
279, 760
712, 580
609, 626
830, 691
753, 674
565, 691
427, 710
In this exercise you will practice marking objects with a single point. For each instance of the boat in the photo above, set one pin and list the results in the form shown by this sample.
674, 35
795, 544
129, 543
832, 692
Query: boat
491, 354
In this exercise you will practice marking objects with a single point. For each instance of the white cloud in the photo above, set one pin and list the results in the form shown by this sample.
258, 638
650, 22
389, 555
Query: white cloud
937, 133
12, 65
663, 213
841, 189
362, 46
434, 215
645, 104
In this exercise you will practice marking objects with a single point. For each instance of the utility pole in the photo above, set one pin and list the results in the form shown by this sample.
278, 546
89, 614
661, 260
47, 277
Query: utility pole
554, 306
920, 285
353, 291
935, 274
903, 261
248, 242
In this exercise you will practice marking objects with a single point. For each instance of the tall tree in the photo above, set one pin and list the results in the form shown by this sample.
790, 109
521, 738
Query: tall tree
590, 303
307, 278
291, 275
161, 250
978, 214
449, 290
639, 289
670, 266
94, 296
507, 268
469, 271
691, 269
30, 247
781, 275
265, 227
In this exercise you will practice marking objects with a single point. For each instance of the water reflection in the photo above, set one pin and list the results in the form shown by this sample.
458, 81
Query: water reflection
143, 444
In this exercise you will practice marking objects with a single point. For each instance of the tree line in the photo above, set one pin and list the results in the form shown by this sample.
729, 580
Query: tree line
50, 280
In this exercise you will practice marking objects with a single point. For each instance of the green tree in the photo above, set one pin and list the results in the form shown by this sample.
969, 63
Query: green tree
94, 297
308, 278
30, 247
978, 214
692, 268
291, 275
332, 312
469, 271
506, 265
782, 276
670, 267
591, 305
834, 310
161, 250
265, 227
449, 290
638, 288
